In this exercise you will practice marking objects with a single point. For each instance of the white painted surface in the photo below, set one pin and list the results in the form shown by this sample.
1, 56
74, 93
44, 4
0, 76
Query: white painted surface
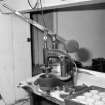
22, 52
15, 57
92, 72
91, 78
6, 59
20, 5
61, 2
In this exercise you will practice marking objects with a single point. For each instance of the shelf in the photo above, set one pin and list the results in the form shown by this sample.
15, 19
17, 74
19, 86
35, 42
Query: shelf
95, 4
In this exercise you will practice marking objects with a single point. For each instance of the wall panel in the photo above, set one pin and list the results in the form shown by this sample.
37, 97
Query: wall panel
85, 26
15, 57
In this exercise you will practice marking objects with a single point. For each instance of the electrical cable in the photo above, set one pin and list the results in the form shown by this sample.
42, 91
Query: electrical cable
43, 22
35, 6
42, 13
38, 3
38, 47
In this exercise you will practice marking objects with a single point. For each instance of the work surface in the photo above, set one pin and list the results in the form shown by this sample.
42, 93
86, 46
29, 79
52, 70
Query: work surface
30, 87
96, 96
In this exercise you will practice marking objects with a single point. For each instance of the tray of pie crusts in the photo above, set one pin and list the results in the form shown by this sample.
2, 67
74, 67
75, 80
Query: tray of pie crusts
91, 96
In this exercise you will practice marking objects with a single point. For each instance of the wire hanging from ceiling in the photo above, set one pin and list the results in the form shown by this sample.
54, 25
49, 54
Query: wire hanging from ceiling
42, 13
43, 21
35, 5
38, 5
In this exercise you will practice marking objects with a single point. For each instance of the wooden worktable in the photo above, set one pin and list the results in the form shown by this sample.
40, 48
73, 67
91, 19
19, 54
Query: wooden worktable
31, 88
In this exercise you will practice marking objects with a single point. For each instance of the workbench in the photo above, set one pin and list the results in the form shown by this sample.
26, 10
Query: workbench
39, 95
33, 89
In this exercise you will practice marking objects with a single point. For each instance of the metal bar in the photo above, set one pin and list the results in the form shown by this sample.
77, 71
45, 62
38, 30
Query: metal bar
32, 22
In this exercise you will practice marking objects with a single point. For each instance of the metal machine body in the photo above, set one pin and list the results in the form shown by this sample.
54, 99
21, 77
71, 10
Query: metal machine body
51, 56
